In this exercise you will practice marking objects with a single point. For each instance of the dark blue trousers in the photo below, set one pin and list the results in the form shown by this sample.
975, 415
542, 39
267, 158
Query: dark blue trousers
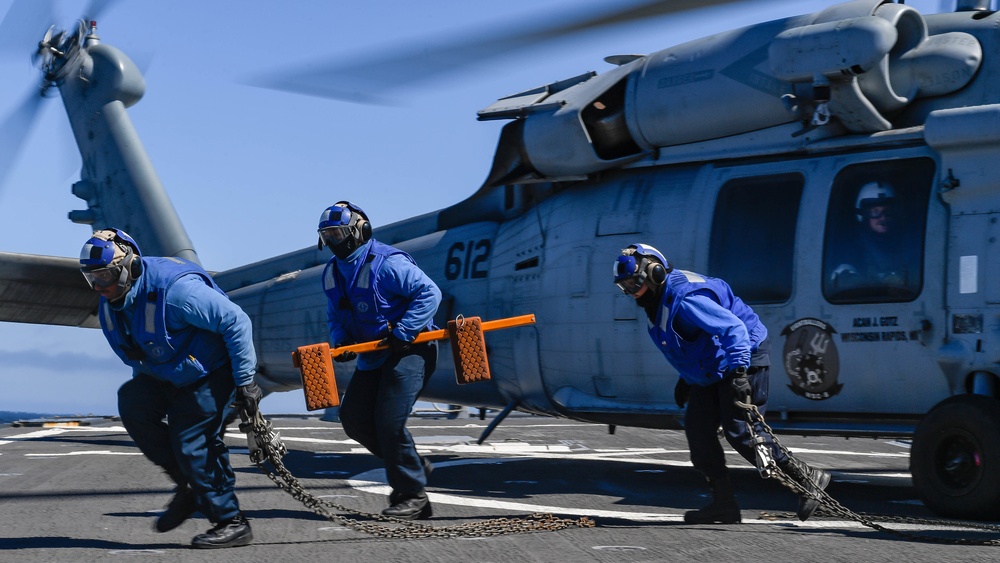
180, 429
711, 407
374, 411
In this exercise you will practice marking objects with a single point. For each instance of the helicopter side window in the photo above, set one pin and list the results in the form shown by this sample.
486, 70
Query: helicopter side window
874, 246
753, 234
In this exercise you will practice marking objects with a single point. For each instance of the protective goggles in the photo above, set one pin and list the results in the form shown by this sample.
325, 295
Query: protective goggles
630, 286
333, 236
103, 278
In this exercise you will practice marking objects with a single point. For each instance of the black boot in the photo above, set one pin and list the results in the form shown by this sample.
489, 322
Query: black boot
230, 533
181, 507
722, 510
395, 497
413, 507
813, 479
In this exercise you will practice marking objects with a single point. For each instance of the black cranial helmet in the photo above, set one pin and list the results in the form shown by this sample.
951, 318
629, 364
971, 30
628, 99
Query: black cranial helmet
343, 227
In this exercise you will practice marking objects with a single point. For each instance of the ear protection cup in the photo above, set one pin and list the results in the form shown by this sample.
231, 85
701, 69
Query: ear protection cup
640, 265
656, 273
366, 230
135, 267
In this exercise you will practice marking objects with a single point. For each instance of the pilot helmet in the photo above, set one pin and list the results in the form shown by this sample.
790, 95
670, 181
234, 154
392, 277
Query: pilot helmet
343, 227
873, 194
639, 264
111, 257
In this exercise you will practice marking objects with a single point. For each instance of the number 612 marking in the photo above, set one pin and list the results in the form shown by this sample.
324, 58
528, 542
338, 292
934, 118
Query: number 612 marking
467, 260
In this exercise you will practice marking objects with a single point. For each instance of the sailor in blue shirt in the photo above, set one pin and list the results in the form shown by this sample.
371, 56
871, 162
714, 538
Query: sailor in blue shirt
191, 352
377, 292
719, 348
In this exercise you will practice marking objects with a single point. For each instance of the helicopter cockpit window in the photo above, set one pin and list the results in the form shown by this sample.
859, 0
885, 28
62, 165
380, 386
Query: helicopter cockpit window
874, 246
753, 236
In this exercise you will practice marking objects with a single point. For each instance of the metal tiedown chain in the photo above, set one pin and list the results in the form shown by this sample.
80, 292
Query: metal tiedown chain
266, 449
829, 506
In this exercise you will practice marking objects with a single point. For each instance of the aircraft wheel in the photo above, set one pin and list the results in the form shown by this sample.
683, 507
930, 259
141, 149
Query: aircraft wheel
955, 459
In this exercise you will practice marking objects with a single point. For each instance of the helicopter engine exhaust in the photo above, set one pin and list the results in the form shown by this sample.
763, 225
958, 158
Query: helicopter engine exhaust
862, 61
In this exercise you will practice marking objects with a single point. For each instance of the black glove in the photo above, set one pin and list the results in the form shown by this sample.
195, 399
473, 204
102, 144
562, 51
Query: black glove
344, 356
740, 386
396, 346
248, 398
681, 392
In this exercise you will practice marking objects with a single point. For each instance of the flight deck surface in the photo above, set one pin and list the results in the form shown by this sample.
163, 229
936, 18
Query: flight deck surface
86, 494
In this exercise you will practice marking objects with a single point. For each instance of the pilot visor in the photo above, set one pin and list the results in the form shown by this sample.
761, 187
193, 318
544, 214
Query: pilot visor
103, 278
877, 211
332, 236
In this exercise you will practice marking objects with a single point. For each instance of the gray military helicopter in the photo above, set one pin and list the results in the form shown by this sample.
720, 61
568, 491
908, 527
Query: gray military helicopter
834, 167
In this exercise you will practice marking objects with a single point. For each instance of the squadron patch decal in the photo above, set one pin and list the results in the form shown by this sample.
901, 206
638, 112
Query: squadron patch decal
811, 359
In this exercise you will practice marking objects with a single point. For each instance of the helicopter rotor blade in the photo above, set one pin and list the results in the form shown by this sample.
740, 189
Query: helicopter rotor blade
26, 21
368, 81
21, 29
14, 131
97, 8
23, 25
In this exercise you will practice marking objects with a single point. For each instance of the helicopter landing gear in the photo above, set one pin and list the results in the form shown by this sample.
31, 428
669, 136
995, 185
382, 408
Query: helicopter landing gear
956, 457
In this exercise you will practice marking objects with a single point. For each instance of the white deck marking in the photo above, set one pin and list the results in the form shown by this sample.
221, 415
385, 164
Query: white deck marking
81, 452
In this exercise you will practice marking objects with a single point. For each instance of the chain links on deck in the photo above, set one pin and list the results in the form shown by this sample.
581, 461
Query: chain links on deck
829, 506
266, 451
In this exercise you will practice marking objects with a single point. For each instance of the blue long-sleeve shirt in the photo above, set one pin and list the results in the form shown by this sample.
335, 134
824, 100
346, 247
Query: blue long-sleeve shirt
700, 312
191, 302
400, 280
703, 329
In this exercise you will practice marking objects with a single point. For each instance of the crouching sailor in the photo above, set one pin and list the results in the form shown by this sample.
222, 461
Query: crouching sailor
191, 353
719, 347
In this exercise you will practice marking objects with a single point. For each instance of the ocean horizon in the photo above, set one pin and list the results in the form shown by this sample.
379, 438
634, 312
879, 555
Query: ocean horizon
7, 417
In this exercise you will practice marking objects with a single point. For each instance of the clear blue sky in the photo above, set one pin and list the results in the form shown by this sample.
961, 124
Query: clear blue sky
250, 169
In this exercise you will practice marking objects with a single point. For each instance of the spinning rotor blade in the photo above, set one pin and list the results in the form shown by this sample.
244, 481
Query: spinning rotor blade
27, 20
14, 130
368, 81
23, 25
97, 8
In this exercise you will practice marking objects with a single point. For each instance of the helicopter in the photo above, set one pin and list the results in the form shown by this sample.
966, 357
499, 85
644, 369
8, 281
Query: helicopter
748, 153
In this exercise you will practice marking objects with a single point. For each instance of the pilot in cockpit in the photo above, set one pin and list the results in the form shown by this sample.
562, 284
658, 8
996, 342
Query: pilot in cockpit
877, 258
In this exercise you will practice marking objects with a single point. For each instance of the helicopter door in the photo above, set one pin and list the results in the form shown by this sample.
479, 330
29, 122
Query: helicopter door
849, 323
883, 272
